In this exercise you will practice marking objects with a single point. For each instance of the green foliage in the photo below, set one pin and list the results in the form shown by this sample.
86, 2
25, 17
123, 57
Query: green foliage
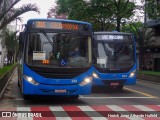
143, 35
5, 69
152, 9
9, 13
11, 41
101, 13
134, 28
122, 9
149, 73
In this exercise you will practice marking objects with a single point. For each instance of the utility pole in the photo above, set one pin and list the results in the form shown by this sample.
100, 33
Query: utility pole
16, 24
3, 39
145, 14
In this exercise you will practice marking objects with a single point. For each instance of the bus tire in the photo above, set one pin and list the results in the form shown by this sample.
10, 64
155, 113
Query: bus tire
119, 88
75, 97
26, 97
18, 84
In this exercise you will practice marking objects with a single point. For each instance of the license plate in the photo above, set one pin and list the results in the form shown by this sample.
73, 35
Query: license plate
60, 91
114, 84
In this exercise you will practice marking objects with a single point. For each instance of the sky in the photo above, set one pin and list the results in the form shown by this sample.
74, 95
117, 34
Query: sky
44, 6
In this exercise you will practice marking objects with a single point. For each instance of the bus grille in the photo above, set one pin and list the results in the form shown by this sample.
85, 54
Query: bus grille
58, 75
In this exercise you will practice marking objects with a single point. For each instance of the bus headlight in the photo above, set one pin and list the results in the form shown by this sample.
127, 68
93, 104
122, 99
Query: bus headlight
132, 74
30, 80
95, 75
86, 81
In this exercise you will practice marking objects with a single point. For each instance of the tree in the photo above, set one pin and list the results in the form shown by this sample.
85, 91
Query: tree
138, 30
122, 9
53, 13
99, 12
9, 13
152, 8
144, 37
11, 41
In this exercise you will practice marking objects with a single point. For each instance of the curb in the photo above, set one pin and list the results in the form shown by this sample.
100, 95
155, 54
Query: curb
151, 78
5, 80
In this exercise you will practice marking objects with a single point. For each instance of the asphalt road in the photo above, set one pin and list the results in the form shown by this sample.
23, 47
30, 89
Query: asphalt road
144, 96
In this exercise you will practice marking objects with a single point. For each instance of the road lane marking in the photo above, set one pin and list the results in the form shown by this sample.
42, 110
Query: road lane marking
84, 97
120, 109
86, 108
143, 108
91, 97
24, 109
55, 110
92, 113
145, 94
115, 108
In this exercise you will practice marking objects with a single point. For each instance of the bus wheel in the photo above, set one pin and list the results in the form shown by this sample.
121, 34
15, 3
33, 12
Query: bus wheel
119, 88
75, 97
18, 84
26, 97
18, 81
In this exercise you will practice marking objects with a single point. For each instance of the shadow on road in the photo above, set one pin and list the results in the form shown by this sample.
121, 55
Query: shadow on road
104, 89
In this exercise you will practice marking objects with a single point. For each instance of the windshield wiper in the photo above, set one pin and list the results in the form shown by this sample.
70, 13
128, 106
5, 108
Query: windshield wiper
46, 36
105, 49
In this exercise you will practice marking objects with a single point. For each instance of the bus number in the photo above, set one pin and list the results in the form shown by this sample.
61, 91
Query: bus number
70, 26
40, 24
56, 25
74, 81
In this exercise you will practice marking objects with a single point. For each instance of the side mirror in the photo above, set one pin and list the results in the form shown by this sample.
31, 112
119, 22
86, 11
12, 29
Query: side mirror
21, 41
21, 36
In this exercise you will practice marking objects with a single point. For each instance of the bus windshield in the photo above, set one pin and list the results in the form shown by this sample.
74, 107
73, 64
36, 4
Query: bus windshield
46, 49
116, 54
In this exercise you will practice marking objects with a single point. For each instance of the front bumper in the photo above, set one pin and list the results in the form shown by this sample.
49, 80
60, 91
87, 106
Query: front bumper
42, 89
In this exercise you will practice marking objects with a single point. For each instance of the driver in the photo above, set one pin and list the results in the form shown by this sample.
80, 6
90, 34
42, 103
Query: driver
75, 52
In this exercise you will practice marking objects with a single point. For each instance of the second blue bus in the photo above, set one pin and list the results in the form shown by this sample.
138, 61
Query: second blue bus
114, 59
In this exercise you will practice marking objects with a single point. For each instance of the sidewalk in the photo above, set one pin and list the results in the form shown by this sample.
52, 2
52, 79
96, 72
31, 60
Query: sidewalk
152, 78
5, 79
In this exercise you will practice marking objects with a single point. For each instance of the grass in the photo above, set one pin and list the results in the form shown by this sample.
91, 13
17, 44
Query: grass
5, 69
149, 73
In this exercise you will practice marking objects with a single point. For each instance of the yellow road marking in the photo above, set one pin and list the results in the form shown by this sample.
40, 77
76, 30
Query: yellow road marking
145, 94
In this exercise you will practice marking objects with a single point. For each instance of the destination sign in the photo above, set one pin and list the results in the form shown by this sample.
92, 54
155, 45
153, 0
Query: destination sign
116, 38
109, 37
59, 25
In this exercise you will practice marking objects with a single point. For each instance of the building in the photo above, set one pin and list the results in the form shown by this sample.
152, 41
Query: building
151, 55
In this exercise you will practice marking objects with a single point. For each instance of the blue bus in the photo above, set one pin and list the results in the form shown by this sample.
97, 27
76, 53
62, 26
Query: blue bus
114, 59
55, 58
